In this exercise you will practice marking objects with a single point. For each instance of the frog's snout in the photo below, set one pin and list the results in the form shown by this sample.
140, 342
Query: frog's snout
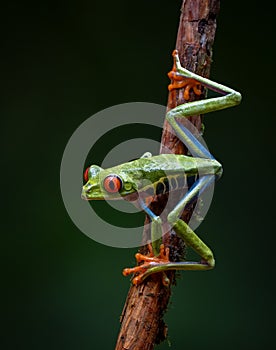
86, 191
83, 194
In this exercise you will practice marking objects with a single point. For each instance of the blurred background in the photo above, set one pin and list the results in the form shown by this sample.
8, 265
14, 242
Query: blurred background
63, 61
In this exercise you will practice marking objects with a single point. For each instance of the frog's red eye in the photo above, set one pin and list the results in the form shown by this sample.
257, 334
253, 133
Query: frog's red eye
112, 183
85, 175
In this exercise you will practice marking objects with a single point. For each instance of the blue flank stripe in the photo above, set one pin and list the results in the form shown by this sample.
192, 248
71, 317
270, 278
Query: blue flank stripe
197, 144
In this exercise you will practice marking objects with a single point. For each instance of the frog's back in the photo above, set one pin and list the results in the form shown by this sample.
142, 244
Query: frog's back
174, 164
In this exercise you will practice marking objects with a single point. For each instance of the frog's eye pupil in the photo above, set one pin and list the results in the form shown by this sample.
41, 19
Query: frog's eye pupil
112, 183
85, 175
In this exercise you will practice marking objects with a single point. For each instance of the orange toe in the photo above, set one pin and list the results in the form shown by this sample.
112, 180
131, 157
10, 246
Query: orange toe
148, 261
179, 82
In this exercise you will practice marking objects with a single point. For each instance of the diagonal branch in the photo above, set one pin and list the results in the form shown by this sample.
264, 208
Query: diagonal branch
142, 324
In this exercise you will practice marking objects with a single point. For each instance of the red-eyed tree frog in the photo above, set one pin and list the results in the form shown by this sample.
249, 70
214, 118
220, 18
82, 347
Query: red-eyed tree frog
167, 172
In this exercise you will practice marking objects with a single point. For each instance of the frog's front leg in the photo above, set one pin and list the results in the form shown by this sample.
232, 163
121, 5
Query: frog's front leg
158, 254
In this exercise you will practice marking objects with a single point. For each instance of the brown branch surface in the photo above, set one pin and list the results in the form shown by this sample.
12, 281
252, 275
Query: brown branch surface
142, 324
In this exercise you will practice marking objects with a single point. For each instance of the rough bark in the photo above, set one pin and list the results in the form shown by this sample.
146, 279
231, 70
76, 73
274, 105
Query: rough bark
142, 324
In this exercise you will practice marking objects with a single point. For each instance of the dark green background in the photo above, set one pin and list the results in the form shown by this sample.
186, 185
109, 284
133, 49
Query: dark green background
62, 62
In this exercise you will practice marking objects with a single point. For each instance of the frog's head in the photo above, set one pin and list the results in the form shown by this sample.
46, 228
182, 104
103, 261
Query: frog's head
106, 184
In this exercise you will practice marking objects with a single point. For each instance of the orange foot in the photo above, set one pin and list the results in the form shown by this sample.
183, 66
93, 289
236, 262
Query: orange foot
149, 261
178, 81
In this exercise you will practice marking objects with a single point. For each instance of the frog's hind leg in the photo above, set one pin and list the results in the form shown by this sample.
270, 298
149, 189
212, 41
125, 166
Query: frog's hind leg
187, 234
184, 231
229, 98
158, 259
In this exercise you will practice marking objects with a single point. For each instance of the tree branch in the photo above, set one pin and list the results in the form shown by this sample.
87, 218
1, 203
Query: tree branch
142, 323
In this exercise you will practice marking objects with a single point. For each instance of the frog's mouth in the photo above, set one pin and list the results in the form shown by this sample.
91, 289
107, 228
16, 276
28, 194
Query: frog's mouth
86, 195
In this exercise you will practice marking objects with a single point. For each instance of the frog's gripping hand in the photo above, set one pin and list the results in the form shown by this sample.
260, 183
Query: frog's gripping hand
160, 264
150, 261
